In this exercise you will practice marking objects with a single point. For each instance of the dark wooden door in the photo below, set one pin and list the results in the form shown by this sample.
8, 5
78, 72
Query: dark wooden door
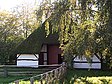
60, 59
41, 59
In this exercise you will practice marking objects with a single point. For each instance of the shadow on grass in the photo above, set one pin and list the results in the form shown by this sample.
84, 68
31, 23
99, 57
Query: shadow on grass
87, 77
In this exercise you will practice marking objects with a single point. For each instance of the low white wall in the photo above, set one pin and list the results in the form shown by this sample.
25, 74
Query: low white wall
27, 60
95, 65
87, 65
27, 63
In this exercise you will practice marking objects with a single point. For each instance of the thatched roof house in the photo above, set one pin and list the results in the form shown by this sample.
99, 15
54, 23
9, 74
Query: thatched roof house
34, 42
46, 47
41, 49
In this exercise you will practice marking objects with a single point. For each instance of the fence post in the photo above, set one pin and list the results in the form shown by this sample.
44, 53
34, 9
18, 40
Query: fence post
16, 82
46, 78
41, 81
5, 71
51, 77
31, 80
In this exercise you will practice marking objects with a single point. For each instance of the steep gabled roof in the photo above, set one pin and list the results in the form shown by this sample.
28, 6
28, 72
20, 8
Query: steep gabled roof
34, 42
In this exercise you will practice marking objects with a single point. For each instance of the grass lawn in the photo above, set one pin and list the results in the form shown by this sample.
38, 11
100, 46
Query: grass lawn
19, 73
88, 77
74, 77
6, 80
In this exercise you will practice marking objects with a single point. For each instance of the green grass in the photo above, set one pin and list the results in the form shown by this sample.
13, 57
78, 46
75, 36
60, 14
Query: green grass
72, 77
6, 80
88, 77
13, 74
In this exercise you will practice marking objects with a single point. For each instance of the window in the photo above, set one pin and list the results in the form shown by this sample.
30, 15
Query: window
44, 48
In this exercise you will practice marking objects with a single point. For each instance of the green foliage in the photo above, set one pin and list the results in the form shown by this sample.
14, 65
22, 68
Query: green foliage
15, 26
27, 19
84, 27
8, 26
88, 77
6, 49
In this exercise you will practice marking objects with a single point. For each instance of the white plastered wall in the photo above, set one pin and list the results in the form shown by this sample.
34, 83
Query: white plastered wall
27, 60
82, 63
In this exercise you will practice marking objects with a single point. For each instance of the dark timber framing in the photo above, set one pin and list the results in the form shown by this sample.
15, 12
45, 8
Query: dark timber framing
27, 59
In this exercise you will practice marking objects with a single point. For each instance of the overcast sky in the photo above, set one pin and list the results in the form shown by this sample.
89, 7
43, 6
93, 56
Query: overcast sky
8, 4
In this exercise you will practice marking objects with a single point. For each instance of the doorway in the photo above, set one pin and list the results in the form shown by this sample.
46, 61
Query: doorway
60, 59
41, 59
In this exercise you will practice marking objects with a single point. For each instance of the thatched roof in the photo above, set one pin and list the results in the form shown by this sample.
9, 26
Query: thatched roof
35, 41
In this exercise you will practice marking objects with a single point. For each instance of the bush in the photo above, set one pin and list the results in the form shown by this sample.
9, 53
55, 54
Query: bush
88, 77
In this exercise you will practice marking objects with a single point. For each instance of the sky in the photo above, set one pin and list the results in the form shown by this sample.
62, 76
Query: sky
9, 4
